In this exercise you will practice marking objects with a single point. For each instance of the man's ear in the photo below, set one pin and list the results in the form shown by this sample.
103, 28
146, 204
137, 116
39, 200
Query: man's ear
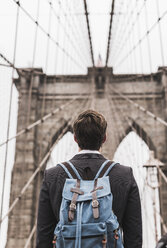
104, 138
75, 139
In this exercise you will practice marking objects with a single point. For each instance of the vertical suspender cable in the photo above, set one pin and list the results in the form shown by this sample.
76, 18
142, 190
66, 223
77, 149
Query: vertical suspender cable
160, 34
147, 37
33, 62
9, 113
30, 238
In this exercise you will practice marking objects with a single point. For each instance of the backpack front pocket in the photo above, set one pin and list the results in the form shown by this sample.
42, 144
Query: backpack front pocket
92, 235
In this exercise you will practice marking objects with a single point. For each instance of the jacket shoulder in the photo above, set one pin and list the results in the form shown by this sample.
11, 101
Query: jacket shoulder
51, 174
122, 173
123, 168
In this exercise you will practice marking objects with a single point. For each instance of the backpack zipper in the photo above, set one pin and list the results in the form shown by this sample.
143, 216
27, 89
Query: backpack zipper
116, 238
54, 241
104, 241
84, 237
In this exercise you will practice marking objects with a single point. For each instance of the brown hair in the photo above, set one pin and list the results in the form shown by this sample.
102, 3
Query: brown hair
90, 129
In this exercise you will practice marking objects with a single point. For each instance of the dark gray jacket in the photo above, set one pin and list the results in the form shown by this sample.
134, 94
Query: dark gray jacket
126, 201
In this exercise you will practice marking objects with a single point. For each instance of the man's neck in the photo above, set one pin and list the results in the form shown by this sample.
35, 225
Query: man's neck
88, 151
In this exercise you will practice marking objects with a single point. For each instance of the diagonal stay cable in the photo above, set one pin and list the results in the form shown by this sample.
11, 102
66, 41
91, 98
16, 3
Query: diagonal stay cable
87, 105
1, 64
72, 27
162, 173
9, 113
126, 118
43, 119
109, 34
7, 61
126, 34
47, 34
156, 210
147, 112
31, 235
79, 52
121, 132
89, 34
41, 164
21, 71
141, 40
26, 186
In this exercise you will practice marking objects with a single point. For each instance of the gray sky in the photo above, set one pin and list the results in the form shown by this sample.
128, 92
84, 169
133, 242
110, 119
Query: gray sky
73, 25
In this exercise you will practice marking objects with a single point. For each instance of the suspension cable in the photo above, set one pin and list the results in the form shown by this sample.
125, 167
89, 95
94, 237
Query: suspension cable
147, 112
89, 34
31, 235
47, 34
79, 30
9, 112
40, 166
160, 34
161, 219
142, 38
109, 33
64, 28
40, 121
10, 64
35, 225
26, 186
162, 173
148, 38
122, 132
32, 65
21, 71
157, 166
126, 37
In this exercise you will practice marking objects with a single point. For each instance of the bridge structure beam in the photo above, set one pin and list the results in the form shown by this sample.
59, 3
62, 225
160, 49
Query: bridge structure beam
149, 91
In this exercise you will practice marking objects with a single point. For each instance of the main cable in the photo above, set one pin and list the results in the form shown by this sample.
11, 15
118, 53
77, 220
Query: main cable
109, 33
89, 33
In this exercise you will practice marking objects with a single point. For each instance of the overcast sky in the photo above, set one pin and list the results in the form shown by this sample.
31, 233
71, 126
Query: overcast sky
68, 28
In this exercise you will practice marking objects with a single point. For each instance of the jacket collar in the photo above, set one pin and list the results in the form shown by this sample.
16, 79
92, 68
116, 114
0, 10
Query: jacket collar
88, 151
88, 156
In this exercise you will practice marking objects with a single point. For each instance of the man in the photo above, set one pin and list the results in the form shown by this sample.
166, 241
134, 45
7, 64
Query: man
90, 133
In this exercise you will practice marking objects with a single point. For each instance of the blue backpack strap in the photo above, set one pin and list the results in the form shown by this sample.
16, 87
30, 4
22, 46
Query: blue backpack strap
101, 168
75, 170
70, 170
109, 169
105, 169
66, 170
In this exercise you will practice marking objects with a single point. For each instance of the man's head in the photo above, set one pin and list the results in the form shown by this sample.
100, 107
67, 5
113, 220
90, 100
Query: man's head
90, 130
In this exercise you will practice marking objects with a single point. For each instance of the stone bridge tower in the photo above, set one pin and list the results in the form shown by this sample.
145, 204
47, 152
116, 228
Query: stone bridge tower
150, 91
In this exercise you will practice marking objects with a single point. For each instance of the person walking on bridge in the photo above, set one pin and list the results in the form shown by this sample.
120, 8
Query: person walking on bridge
73, 212
162, 243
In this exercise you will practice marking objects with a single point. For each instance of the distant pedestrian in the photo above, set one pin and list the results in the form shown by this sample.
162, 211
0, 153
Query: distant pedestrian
162, 243
79, 204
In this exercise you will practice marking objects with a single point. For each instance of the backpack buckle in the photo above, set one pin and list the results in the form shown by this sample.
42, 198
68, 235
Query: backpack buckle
73, 206
95, 203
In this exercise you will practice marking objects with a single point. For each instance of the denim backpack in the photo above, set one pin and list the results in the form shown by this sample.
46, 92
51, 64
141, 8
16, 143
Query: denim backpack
86, 216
